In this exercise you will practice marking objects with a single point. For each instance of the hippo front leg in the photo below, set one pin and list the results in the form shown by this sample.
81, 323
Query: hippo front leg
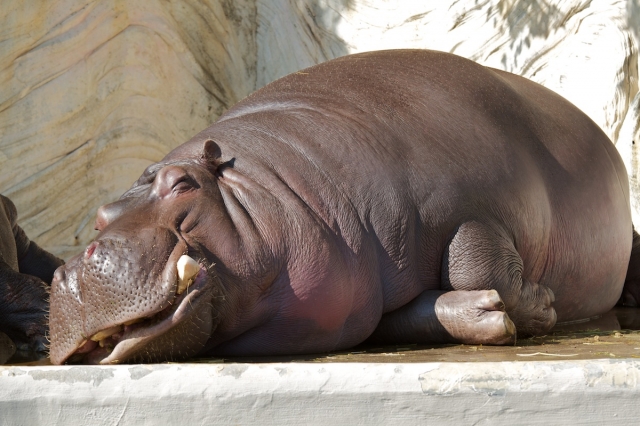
471, 317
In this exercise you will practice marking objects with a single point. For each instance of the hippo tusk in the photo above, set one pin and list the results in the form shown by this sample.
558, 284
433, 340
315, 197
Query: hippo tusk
187, 271
100, 335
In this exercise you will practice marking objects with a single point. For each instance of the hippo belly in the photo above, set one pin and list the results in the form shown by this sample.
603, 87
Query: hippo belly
396, 196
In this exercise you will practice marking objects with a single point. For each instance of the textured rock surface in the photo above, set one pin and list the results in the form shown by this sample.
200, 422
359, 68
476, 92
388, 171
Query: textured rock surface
92, 92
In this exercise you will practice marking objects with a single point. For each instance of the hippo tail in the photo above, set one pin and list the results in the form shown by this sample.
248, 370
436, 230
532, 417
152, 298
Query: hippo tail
631, 291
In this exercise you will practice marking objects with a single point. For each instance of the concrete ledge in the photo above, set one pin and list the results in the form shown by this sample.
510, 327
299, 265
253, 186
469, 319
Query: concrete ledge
501, 393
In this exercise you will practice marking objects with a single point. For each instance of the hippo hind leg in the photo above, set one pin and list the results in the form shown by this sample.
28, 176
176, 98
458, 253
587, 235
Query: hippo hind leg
485, 299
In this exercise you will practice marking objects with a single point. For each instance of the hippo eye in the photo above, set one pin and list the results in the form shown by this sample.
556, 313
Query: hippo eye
182, 185
174, 181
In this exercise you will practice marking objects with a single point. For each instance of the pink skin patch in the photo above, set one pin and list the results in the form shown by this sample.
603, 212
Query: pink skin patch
90, 249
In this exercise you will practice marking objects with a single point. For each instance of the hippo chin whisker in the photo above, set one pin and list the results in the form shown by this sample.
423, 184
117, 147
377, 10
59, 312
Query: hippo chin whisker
115, 344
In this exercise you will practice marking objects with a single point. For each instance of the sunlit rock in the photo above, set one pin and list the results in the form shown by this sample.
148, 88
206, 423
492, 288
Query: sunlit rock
93, 92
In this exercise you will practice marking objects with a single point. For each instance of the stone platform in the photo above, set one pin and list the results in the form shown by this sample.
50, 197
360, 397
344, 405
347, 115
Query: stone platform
601, 391
585, 373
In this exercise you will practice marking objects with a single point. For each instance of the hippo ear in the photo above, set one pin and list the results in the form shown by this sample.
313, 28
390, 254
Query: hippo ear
211, 150
211, 154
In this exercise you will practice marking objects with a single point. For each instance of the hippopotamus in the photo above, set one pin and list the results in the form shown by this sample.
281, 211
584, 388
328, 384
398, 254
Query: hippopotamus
391, 197
26, 270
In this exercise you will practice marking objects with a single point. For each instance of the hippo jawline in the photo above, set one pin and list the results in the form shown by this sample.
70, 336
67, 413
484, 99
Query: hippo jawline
133, 339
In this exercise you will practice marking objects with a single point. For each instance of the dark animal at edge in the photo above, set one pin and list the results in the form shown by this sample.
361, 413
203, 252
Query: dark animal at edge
26, 271
396, 196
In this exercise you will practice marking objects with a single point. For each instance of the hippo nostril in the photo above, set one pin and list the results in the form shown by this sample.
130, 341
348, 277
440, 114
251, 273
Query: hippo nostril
90, 249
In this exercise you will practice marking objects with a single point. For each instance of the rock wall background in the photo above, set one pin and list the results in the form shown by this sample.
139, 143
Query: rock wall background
91, 92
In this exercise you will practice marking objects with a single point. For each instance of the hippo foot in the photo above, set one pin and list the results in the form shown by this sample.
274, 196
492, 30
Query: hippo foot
534, 314
475, 317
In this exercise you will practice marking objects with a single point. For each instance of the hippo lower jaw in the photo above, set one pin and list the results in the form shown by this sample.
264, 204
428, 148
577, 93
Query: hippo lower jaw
190, 314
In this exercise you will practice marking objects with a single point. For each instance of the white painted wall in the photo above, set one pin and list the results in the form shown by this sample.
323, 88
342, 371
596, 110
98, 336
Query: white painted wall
590, 392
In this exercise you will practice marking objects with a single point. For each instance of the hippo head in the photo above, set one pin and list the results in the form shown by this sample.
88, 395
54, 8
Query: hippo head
147, 289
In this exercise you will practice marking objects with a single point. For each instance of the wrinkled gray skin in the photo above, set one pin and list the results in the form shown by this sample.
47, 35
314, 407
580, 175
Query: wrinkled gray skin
398, 196
25, 273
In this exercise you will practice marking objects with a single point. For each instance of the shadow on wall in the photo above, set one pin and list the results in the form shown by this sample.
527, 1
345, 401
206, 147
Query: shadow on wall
529, 20
295, 34
633, 17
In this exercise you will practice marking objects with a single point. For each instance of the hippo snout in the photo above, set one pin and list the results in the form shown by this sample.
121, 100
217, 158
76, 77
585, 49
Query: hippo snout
115, 284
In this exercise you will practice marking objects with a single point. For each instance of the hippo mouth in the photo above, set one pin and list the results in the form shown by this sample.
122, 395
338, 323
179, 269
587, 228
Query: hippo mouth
146, 338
